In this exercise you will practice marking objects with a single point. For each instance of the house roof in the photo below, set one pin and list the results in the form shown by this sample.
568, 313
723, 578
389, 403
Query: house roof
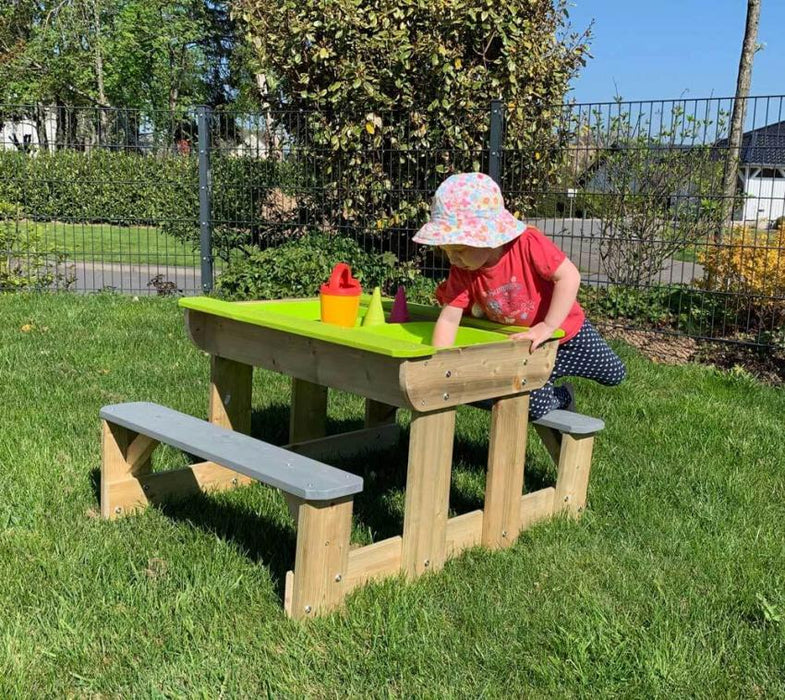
764, 146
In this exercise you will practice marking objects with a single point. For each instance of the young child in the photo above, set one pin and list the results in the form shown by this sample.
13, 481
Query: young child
510, 273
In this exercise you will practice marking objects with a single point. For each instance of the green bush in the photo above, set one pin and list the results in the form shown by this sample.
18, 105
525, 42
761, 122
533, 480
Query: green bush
299, 266
672, 306
26, 261
387, 98
130, 188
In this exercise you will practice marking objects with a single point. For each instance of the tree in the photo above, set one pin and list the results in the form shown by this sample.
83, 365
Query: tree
386, 98
160, 57
730, 178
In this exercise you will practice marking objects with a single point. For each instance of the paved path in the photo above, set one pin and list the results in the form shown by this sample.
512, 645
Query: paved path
580, 239
134, 279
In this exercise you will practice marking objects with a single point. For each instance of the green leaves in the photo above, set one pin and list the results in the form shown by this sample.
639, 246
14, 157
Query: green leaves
442, 61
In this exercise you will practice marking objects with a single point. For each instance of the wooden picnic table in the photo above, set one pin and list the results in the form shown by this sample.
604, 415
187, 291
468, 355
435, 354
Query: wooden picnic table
391, 368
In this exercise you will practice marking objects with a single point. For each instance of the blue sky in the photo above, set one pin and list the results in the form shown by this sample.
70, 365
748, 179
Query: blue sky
670, 49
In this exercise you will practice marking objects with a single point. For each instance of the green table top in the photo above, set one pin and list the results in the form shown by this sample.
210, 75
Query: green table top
404, 340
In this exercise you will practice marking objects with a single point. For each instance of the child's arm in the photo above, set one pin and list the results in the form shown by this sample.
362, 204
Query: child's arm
566, 280
446, 327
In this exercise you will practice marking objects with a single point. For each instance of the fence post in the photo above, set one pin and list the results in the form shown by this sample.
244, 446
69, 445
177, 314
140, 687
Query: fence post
205, 198
495, 151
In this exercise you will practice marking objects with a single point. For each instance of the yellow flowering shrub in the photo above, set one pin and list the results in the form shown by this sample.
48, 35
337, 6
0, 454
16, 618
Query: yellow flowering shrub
749, 262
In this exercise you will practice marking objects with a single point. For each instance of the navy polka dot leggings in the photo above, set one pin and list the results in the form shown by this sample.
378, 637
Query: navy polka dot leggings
585, 355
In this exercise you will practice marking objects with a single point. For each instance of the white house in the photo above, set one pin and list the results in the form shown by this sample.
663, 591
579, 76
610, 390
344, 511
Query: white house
18, 135
21, 134
762, 173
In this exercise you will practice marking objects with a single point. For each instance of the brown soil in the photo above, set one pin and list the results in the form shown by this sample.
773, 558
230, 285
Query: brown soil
768, 366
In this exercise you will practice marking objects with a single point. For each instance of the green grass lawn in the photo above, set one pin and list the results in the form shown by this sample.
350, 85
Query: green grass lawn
672, 584
111, 243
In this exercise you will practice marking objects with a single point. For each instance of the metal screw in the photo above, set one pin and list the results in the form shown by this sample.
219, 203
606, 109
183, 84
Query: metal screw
526, 361
146, 488
445, 396
234, 481
448, 374
523, 381
566, 498
307, 609
118, 509
338, 578
504, 533
427, 563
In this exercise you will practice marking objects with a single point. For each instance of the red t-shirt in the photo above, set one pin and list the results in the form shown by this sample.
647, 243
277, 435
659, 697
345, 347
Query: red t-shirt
515, 291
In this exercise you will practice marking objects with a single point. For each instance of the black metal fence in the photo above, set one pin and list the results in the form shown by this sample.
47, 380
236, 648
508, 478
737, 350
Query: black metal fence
95, 199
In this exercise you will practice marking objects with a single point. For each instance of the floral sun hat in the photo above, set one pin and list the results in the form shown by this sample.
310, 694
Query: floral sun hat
468, 209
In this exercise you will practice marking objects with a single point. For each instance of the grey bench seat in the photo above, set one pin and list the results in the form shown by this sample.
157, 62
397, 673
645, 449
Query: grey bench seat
571, 423
300, 476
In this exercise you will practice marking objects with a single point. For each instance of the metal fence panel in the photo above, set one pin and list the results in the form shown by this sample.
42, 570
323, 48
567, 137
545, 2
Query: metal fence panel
160, 202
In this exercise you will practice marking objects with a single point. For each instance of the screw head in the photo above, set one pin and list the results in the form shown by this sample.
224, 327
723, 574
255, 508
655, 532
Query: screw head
118, 509
308, 609
504, 533
234, 481
427, 563
448, 374
445, 396
338, 578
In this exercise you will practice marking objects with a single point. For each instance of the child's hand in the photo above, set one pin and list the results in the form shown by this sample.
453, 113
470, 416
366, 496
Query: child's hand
538, 334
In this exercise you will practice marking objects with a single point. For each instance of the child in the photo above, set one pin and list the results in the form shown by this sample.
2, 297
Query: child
512, 274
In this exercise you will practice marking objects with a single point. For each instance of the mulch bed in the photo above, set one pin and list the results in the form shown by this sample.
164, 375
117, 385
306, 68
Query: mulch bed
766, 365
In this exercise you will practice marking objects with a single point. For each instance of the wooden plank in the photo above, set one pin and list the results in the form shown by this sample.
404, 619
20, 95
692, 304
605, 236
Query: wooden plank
347, 444
230, 400
374, 561
204, 477
139, 453
230, 394
287, 593
572, 480
536, 506
464, 531
357, 371
118, 476
504, 482
377, 413
321, 560
462, 375
427, 492
551, 439
308, 414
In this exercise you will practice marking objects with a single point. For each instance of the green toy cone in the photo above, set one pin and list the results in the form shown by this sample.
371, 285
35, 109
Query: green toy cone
375, 314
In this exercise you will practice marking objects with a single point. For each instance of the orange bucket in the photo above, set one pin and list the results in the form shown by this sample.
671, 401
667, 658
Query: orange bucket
340, 297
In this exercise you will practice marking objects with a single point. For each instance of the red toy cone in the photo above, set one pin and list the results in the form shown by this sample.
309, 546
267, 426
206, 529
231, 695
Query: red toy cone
400, 311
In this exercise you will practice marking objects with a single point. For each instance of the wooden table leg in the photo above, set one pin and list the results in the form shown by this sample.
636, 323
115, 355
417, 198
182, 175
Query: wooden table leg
308, 416
504, 484
377, 413
427, 492
230, 394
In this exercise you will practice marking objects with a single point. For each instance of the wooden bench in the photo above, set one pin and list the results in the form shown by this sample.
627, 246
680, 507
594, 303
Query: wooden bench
569, 439
321, 496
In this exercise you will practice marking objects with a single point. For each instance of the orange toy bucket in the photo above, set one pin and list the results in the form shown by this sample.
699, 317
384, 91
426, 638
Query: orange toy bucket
340, 297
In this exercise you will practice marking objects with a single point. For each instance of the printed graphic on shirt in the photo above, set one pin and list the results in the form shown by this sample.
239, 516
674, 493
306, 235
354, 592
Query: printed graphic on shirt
507, 304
